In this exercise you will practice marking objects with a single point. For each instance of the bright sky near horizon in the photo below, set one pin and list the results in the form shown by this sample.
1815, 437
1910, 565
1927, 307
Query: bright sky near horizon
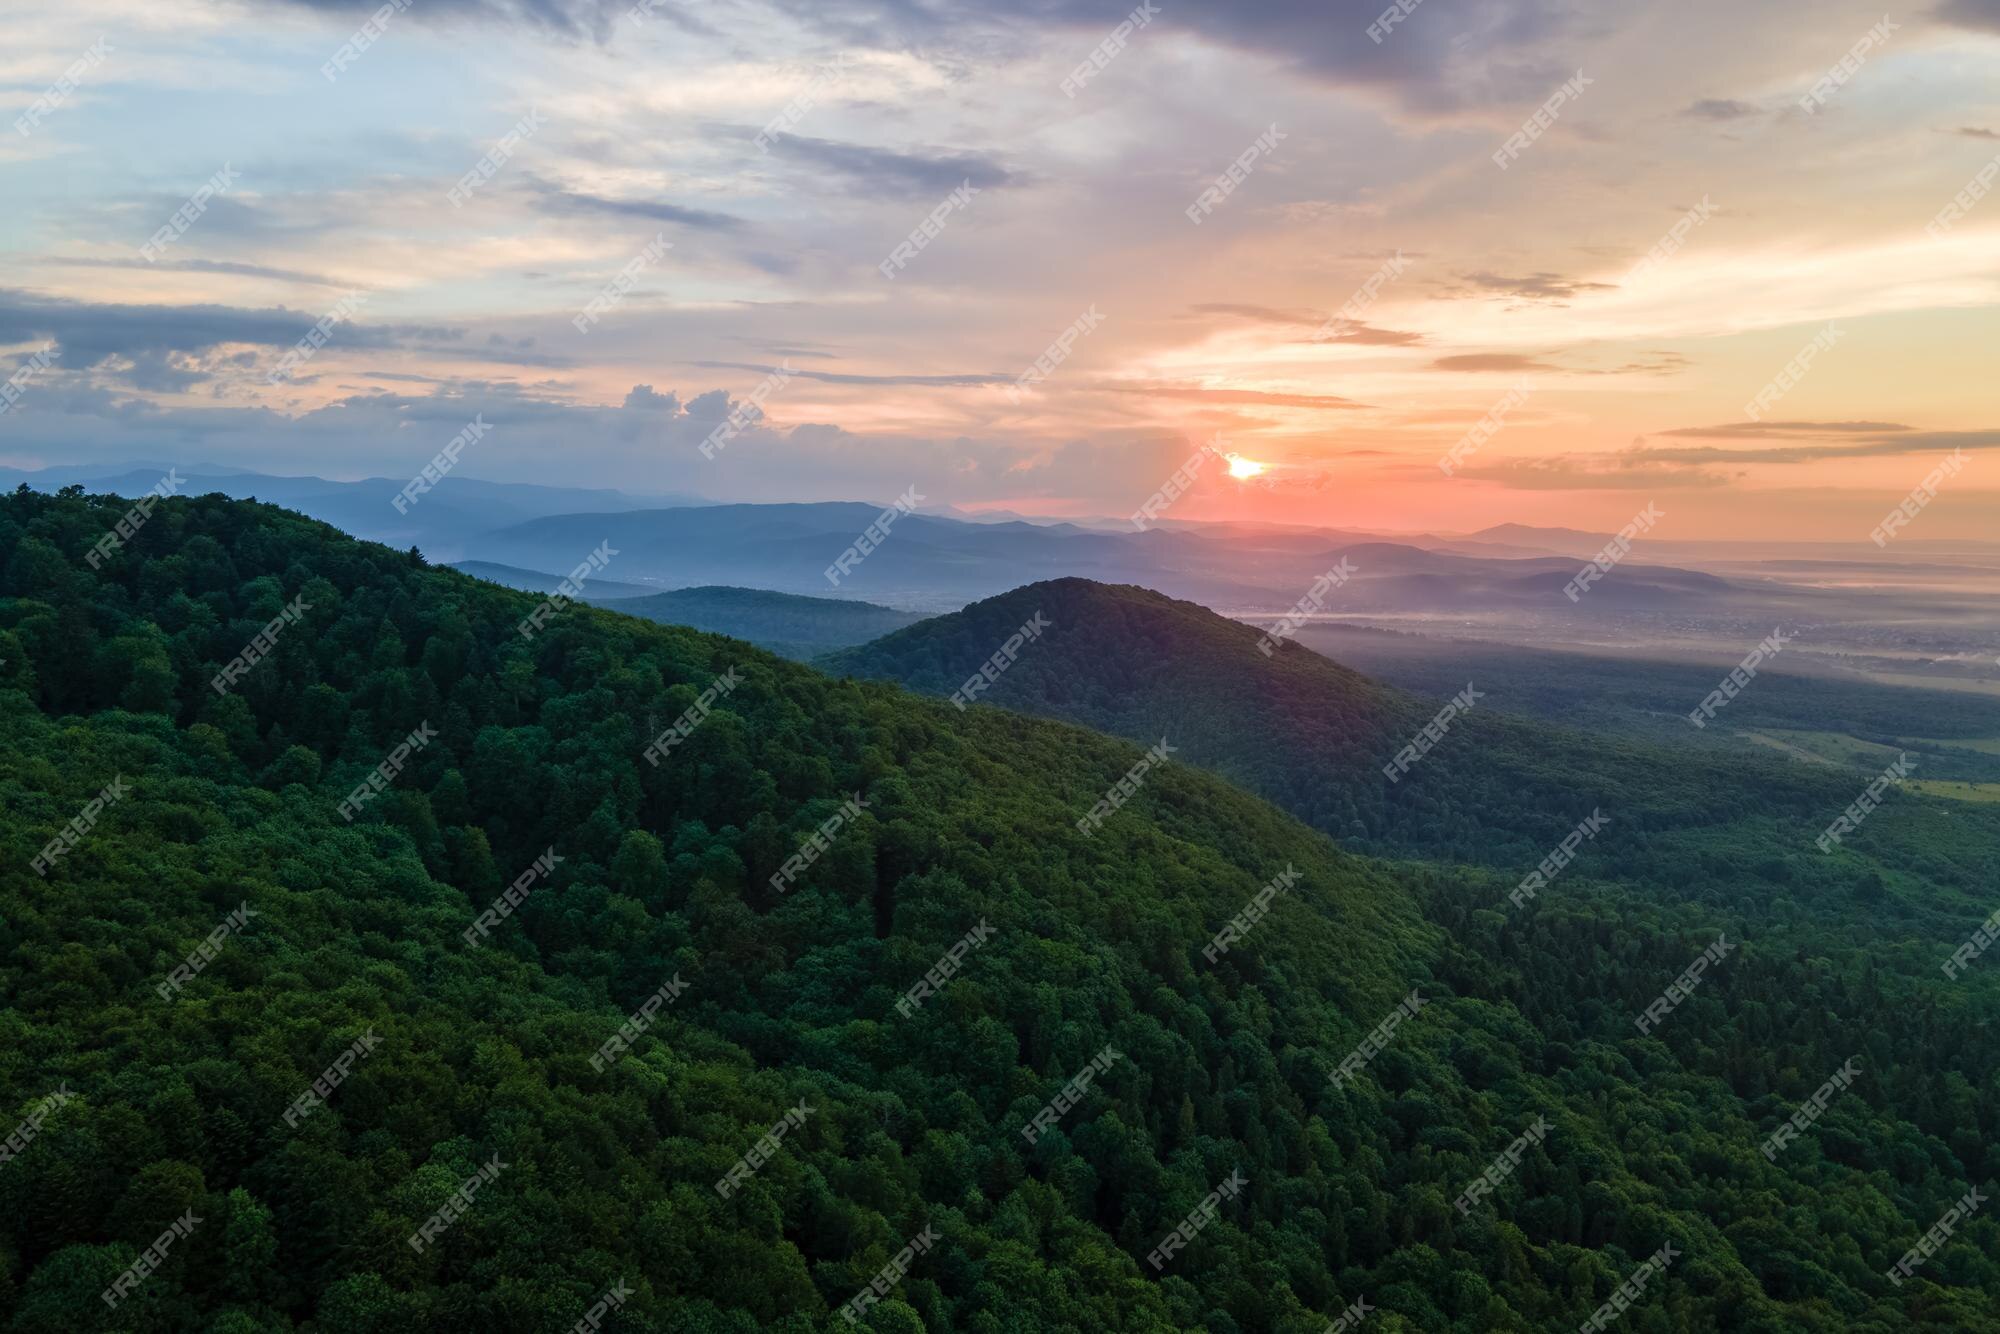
1627, 221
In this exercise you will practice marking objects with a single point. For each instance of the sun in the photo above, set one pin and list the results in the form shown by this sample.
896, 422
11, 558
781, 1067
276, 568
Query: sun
1242, 467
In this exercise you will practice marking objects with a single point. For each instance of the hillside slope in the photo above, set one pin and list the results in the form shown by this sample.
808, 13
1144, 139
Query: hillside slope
1314, 737
664, 872
784, 623
175, 1101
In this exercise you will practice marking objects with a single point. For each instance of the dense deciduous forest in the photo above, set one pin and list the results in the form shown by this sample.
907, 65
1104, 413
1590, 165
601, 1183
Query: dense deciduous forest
178, 1106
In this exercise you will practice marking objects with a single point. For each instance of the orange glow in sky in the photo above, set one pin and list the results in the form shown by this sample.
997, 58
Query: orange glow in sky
1684, 292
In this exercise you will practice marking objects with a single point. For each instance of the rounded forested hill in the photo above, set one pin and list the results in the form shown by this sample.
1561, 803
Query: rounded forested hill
220, 935
1312, 736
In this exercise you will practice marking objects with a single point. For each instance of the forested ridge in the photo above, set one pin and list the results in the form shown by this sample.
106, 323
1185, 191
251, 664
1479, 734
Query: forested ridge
178, 1105
1311, 736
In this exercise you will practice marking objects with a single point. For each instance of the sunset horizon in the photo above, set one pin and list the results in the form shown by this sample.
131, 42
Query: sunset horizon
1027, 259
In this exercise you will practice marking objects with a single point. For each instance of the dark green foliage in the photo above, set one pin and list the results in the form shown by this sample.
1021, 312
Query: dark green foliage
666, 872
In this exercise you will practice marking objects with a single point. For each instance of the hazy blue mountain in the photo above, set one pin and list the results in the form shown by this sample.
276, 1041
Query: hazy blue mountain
785, 623
540, 581
931, 562
441, 521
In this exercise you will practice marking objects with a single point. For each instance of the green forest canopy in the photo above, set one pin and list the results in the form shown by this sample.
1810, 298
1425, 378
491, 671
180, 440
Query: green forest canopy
179, 1105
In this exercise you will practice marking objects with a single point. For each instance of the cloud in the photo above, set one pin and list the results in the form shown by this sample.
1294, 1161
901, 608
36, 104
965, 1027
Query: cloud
1660, 363
712, 406
643, 397
570, 18
1354, 331
1259, 314
1719, 108
218, 266
1367, 335
378, 431
1981, 14
557, 199
1205, 395
1534, 286
1589, 473
1766, 430
1702, 466
1882, 446
1493, 361
162, 374
89, 334
151, 346
833, 377
378, 434
790, 350
1497, 52
885, 170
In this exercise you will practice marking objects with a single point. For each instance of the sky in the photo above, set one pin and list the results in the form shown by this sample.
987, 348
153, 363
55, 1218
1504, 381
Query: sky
1330, 253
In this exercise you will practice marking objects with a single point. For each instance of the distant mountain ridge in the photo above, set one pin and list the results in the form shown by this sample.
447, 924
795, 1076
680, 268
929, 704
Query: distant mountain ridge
441, 522
931, 563
540, 581
787, 624
935, 560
